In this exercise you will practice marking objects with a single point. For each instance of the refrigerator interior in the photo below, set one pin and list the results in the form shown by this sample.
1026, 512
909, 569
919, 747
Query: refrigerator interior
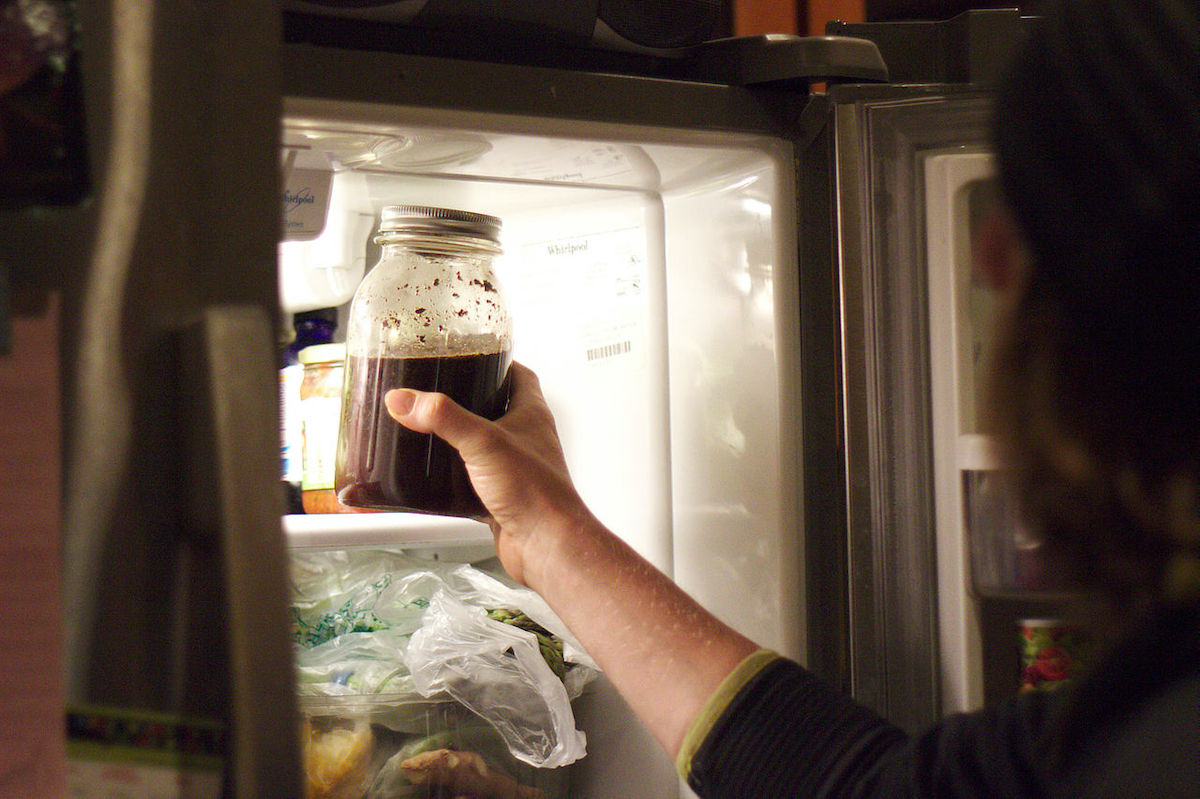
652, 277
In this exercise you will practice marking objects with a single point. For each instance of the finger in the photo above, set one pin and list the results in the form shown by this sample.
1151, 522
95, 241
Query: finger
526, 397
427, 412
525, 383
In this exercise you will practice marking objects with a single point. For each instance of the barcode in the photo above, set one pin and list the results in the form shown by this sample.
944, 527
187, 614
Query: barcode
609, 350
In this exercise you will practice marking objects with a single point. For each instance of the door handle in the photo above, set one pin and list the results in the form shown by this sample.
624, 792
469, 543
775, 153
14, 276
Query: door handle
230, 416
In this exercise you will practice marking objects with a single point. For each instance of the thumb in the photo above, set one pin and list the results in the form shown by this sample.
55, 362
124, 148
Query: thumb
427, 412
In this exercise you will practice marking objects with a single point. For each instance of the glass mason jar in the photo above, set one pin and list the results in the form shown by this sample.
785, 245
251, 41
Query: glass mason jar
429, 315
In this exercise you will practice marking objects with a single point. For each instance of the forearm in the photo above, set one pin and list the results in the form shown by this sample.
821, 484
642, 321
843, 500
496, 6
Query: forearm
660, 648
663, 652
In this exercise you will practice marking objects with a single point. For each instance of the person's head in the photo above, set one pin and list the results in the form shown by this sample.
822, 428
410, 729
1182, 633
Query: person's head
1097, 379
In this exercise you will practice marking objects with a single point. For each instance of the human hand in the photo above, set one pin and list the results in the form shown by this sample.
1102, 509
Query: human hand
516, 465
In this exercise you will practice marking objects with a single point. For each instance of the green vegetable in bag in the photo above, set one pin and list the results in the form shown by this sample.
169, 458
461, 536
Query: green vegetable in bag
550, 645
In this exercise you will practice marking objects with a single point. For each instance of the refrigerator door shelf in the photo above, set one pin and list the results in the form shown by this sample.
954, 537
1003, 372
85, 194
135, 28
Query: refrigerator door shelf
957, 334
978, 453
403, 530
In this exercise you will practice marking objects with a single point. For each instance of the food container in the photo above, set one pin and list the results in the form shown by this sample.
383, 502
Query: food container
1006, 558
320, 411
420, 750
1050, 651
430, 315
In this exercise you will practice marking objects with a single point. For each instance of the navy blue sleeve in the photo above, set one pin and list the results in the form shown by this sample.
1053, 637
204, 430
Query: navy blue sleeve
788, 734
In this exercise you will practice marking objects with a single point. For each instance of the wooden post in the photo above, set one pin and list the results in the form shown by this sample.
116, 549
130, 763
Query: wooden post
819, 12
751, 17
805, 17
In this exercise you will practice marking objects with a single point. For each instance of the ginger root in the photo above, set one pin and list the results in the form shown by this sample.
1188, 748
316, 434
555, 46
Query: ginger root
467, 773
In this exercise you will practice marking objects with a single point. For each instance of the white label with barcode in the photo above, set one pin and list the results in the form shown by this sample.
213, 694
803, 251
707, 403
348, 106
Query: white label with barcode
609, 350
592, 288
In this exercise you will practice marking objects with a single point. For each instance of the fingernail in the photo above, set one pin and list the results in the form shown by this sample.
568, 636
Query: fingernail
400, 401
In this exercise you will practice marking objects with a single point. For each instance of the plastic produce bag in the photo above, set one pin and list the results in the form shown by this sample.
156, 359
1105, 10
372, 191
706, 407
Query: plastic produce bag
495, 669
355, 664
353, 613
351, 591
379, 630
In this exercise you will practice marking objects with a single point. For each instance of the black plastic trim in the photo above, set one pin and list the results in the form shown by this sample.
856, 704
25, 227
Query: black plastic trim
972, 47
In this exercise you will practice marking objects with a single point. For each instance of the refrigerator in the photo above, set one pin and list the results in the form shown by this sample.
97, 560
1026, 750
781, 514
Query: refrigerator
739, 269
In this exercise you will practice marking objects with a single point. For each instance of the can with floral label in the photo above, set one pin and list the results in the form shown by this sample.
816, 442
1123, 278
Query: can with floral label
1049, 653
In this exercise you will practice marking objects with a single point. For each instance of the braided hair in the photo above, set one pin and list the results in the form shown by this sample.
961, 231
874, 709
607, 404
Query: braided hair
1097, 380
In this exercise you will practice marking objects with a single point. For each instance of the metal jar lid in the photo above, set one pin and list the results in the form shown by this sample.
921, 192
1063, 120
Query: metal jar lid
426, 219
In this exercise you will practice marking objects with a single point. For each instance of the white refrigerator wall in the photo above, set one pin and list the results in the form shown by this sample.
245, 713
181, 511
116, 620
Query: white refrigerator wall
653, 281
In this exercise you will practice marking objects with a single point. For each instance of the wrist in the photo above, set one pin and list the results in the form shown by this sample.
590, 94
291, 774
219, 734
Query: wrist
556, 548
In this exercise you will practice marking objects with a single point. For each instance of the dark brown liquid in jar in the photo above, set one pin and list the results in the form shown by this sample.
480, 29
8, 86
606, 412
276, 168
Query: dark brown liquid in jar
385, 465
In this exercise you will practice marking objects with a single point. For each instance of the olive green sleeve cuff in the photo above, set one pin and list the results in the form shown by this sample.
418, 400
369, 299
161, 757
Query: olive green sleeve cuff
716, 704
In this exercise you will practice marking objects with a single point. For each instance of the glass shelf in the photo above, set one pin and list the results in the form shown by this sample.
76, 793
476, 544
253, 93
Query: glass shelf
403, 530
